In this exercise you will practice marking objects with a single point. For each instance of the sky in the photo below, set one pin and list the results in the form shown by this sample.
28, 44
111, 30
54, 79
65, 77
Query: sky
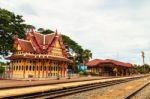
111, 29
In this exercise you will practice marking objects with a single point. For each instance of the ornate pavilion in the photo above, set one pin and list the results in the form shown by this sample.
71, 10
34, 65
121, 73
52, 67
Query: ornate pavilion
109, 67
39, 56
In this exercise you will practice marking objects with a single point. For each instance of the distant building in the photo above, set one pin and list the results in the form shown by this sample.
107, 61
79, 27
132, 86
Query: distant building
39, 56
109, 67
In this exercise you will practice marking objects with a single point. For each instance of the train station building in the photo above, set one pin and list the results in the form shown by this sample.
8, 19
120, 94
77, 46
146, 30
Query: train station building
39, 56
109, 67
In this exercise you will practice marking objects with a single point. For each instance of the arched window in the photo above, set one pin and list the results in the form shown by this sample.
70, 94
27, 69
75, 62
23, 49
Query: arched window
17, 68
27, 68
22, 67
30, 68
14, 67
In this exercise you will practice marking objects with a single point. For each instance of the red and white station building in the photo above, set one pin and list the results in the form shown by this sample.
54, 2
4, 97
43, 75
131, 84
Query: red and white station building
109, 67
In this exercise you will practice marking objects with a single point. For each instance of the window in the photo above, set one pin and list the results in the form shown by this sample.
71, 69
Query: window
27, 68
14, 67
22, 67
17, 68
30, 68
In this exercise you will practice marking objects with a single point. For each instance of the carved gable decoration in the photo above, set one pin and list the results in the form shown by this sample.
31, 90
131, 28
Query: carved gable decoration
57, 49
18, 47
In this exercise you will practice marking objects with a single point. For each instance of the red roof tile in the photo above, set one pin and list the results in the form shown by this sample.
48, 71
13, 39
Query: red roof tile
40, 44
49, 38
26, 45
119, 63
96, 62
39, 38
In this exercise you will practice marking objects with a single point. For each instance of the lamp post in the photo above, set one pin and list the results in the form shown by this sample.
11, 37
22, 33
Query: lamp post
143, 57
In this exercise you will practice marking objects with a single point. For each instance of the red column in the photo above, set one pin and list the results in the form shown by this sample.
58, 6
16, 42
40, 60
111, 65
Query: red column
46, 68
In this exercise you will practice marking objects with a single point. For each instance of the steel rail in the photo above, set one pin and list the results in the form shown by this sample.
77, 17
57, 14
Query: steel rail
72, 90
137, 91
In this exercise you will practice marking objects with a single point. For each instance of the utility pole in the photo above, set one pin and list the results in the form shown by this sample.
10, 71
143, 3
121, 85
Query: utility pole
143, 57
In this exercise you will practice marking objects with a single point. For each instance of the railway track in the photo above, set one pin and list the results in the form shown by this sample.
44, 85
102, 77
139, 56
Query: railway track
133, 94
72, 90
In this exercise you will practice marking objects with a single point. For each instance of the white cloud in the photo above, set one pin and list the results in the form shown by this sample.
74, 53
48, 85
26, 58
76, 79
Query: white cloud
107, 27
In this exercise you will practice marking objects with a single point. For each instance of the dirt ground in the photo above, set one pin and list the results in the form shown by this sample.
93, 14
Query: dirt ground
121, 92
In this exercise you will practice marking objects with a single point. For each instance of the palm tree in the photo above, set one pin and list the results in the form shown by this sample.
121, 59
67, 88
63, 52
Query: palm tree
86, 56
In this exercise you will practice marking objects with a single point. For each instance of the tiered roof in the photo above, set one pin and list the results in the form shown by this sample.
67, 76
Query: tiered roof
40, 45
97, 62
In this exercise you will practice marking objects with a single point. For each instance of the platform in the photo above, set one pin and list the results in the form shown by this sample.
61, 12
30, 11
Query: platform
26, 83
35, 89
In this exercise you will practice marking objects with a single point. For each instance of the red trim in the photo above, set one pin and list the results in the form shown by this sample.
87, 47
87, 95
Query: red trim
51, 44
51, 41
34, 41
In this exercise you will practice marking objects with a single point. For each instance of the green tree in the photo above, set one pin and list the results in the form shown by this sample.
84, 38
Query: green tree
73, 46
140, 68
10, 25
45, 31
86, 55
